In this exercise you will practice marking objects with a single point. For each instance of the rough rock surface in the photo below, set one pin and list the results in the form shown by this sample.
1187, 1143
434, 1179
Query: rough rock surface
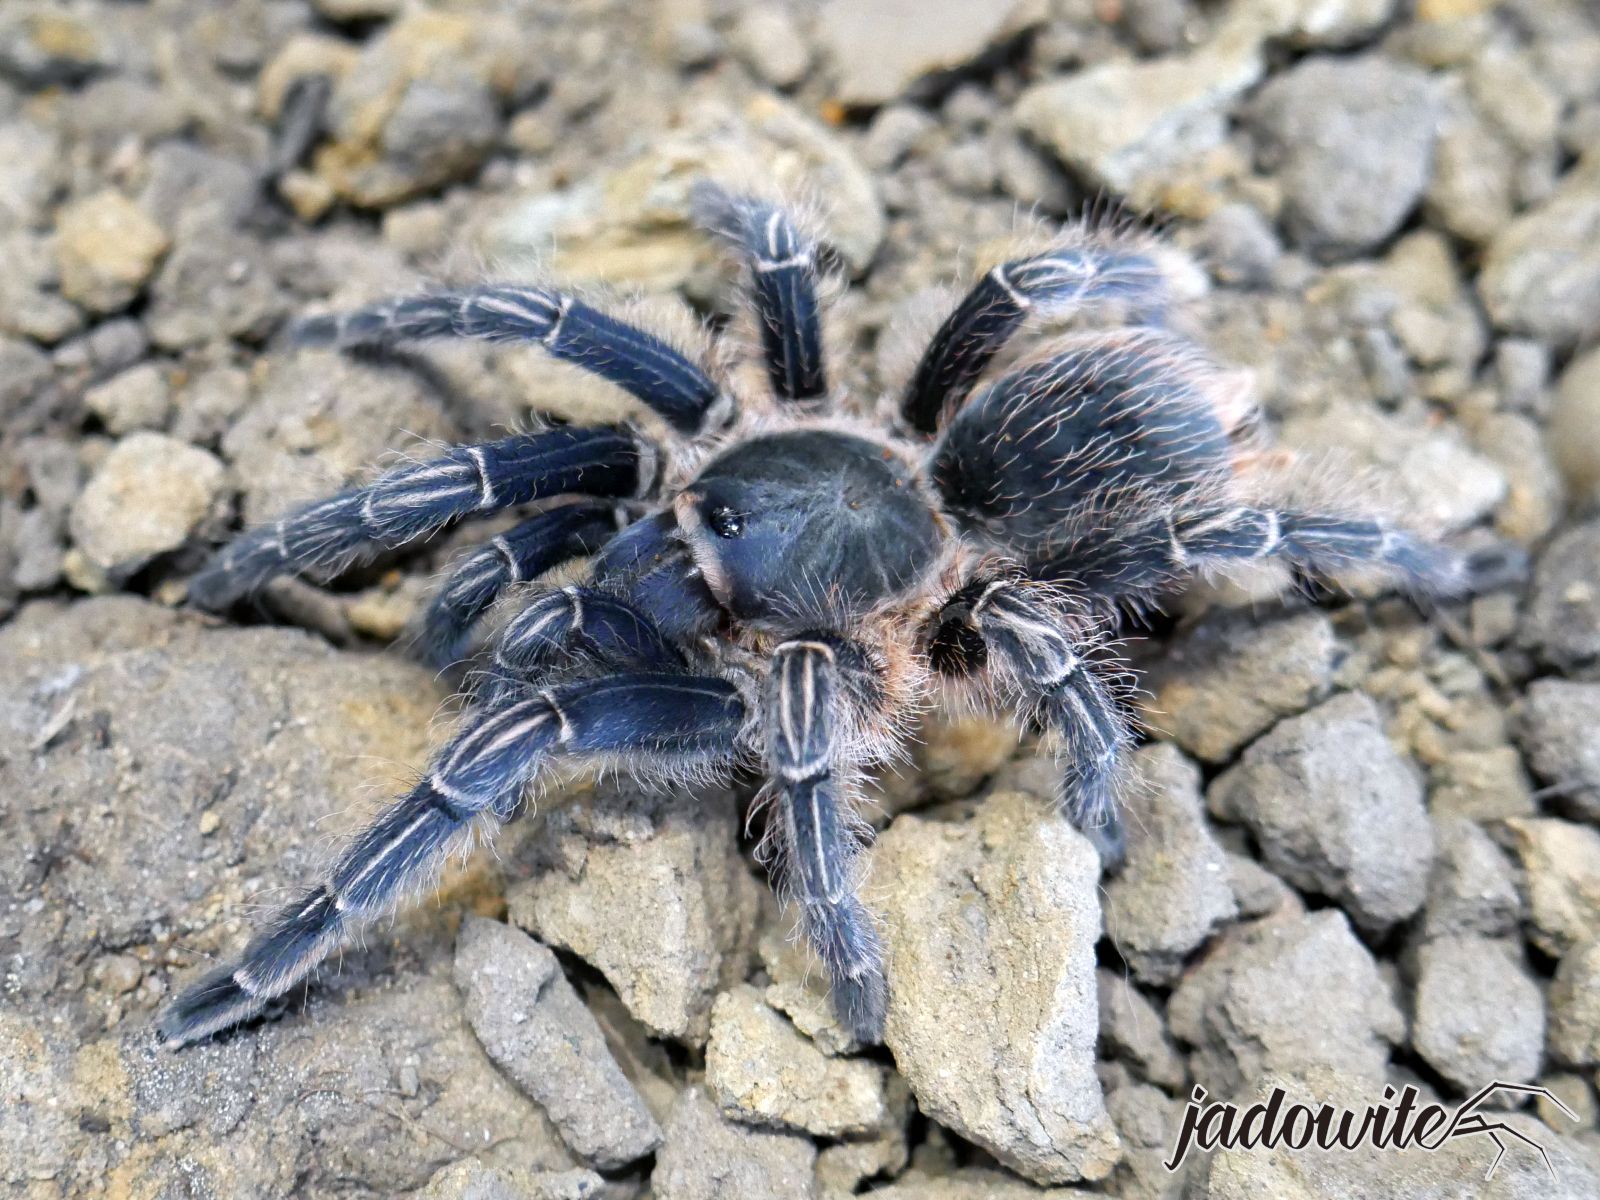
707, 1157
1561, 862
1558, 724
537, 1030
1479, 1013
1336, 808
992, 1008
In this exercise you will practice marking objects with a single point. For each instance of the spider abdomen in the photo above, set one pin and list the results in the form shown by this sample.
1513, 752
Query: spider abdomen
792, 522
1097, 419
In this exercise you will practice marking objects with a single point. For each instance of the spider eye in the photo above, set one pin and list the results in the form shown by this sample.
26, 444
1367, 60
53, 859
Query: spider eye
724, 522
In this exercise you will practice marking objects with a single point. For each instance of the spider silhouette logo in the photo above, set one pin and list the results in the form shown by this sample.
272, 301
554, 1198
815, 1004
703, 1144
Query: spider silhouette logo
1396, 1123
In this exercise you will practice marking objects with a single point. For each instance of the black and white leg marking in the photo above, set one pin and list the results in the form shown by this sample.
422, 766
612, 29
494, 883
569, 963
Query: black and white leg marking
1139, 562
1012, 294
818, 683
580, 620
525, 551
1005, 626
645, 366
783, 284
410, 501
478, 777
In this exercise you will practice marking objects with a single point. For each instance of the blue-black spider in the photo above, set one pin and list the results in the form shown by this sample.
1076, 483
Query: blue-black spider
775, 581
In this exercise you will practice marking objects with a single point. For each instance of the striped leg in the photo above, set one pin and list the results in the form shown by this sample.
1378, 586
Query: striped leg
420, 498
658, 376
819, 685
526, 551
1010, 628
478, 777
783, 286
579, 620
1087, 273
1140, 562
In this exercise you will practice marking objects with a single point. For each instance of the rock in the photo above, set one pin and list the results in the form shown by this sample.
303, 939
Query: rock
990, 928
1535, 499
880, 48
45, 45
843, 1166
767, 38
472, 1179
1324, 24
765, 1072
633, 226
139, 398
1473, 889
1238, 245
1455, 1169
24, 370
1431, 477
1133, 1030
1256, 890
1123, 125
1336, 809
1562, 619
30, 305
1351, 140
146, 498
1231, 677
971, 1184
1472, 191
1559, 719
1574, 417
1562, 862
1479, 1014
1174, 889
215, 285
1288, 994
706, 1157
1481, 785
107, 248
1575, 1007
800, 989
1541, 275
649, 888
534, 1026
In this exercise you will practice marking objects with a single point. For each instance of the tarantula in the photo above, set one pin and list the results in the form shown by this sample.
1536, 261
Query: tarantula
772, 581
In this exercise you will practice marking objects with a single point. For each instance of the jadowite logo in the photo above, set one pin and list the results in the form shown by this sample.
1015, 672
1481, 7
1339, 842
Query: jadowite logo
1398, 1123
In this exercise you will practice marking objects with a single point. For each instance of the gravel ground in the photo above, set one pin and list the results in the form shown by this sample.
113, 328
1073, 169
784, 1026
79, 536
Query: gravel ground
1368, 849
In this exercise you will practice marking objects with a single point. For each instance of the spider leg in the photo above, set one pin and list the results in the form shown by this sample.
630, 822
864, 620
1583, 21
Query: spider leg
525, 551
414, 499
578, 619
1010, 627
782, 263
817, 681
645, 366
1139, 562
478, 777
1109, 271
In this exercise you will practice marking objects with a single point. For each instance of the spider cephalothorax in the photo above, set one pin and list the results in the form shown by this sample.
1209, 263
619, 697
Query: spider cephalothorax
788, 596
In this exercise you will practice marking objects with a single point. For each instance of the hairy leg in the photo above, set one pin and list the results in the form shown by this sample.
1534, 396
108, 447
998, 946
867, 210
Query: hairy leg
1010, 629
580, 620
1090, 272
415, 499
478, 777
642, 364
525, 551
782, 263
819, 683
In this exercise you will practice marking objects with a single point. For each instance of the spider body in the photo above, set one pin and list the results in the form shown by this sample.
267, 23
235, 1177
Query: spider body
788, 595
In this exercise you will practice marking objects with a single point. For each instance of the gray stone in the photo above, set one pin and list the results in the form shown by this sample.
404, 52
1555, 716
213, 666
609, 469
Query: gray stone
1473, 887
1174, 890
1541, 275
1238, 245
990, 928
1231, 677
1575, 1007
472, 1179
107, 249
1559, 723
800, 989
1336, 810
139, 398
970, 1184
1574, 417
147, 497
763, 1071
766, 36
1562, 619
649, 888
1479, 1015
532, 1023
216, 284
1471, 192
24, 369
879, 48
1351, 140
1288, 994
706, 1157
1134, 1030
1561, 861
